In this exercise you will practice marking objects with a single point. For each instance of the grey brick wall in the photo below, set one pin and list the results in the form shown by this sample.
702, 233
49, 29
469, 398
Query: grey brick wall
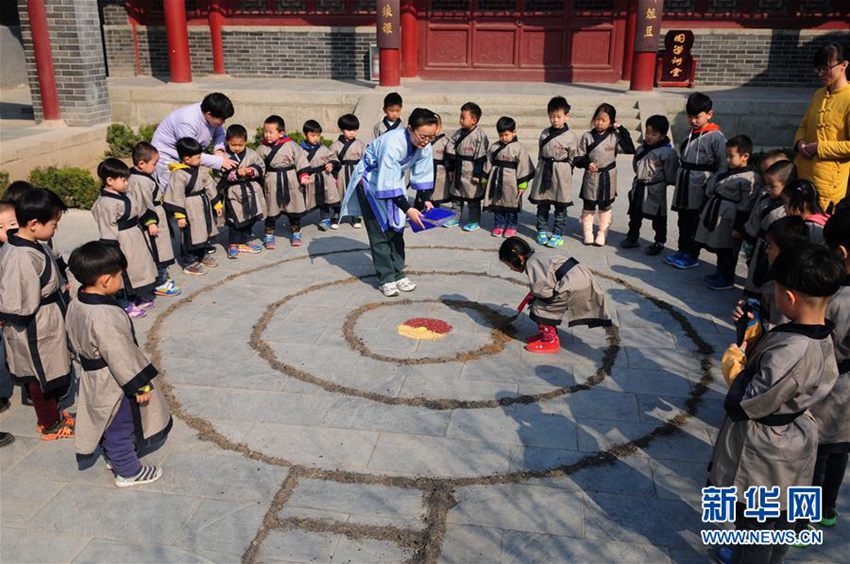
80, 73
248, 52
758, 58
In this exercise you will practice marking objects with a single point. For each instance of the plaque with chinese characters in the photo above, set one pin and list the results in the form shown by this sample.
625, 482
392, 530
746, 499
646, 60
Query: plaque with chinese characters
648, 28
389, 31
677, 62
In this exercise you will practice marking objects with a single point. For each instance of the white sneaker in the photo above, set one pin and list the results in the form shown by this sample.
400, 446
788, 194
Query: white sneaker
146, 475
335, 226
405, 285
389, 289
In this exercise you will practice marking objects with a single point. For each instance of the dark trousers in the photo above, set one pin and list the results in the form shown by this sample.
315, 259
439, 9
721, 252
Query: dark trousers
239, 235
688, 222
387, 247
659, 225
5, 375
46, 404
726, 261
505, 219
768, 554
474, 210
560, 224
829, 473
119, 442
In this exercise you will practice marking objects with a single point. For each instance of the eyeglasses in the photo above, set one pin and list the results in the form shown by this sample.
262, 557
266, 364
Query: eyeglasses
826, 68
423, 138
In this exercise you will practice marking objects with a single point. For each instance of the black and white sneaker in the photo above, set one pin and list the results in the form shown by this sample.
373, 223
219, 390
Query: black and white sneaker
146, 475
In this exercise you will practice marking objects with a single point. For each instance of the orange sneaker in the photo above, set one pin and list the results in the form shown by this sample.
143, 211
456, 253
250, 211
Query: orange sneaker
63, 429
69, 417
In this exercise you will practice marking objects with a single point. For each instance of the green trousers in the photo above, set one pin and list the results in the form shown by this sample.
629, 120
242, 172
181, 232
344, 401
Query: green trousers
387, 247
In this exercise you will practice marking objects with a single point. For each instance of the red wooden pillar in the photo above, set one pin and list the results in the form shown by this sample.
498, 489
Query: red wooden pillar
409, 40
43, 59
647, 31
629, 52
389, 42
216, 18
177, 35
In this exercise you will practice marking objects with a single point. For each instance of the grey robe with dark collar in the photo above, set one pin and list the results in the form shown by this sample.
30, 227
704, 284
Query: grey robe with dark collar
769, 436
114, 366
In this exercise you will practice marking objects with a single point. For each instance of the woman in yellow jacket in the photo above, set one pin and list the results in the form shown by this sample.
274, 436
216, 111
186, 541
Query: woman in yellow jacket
822, 141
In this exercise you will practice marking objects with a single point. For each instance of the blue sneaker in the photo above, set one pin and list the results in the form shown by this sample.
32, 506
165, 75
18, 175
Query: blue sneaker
542, 238
685, 262
472, 226
671, 259
555, 241
233, 251
453, 222
324, 225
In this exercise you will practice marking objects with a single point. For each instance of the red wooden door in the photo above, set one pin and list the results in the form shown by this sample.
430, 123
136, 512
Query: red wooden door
516, 40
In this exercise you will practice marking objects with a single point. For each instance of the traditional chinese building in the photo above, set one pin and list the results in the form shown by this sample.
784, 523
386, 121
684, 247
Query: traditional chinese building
736, 42
72, 47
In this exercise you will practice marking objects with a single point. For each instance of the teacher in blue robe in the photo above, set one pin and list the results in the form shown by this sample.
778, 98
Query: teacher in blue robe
377, 192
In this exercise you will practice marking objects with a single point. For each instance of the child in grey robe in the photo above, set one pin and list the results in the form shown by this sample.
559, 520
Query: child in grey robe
143, 185
729, 194
655, 164
282, 191
317, 175
597, 152
770, 436
121, 217
553, 180
32, 309
833, 413
346, 152
559, 286
193, 200
466, 154
119, 408
507, 172
702, 153
241, 193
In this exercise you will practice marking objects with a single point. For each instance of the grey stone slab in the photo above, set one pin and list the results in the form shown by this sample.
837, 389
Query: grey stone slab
224, 527
520, 507
525, 425
520, 546
510, 367
541, 458
298, 545
242, 371
394, 505
630, 476
55, 461
255, 405
648, 338
33, 545
23, 496
435, 456
93, 511
602, 404
600, 434
367, 550
627, 518
227, 476
650, 381
314, 446
464, 544
445, 383
100, 550
365, 415
680, 479
690, 443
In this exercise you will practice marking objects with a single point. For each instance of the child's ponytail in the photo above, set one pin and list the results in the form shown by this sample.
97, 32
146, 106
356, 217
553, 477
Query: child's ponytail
802, 197
515, 251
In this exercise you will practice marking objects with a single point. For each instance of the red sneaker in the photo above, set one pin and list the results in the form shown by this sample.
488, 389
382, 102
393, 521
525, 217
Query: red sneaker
544, 347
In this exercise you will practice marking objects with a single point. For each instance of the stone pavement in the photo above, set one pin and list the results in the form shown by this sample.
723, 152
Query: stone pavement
307, 429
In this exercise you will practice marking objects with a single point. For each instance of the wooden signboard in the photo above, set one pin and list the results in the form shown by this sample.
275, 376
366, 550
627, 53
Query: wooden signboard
389, 24
677, 63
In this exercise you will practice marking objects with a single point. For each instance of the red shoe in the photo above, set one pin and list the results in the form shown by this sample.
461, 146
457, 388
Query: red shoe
547, 343
544, 346
534, 338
